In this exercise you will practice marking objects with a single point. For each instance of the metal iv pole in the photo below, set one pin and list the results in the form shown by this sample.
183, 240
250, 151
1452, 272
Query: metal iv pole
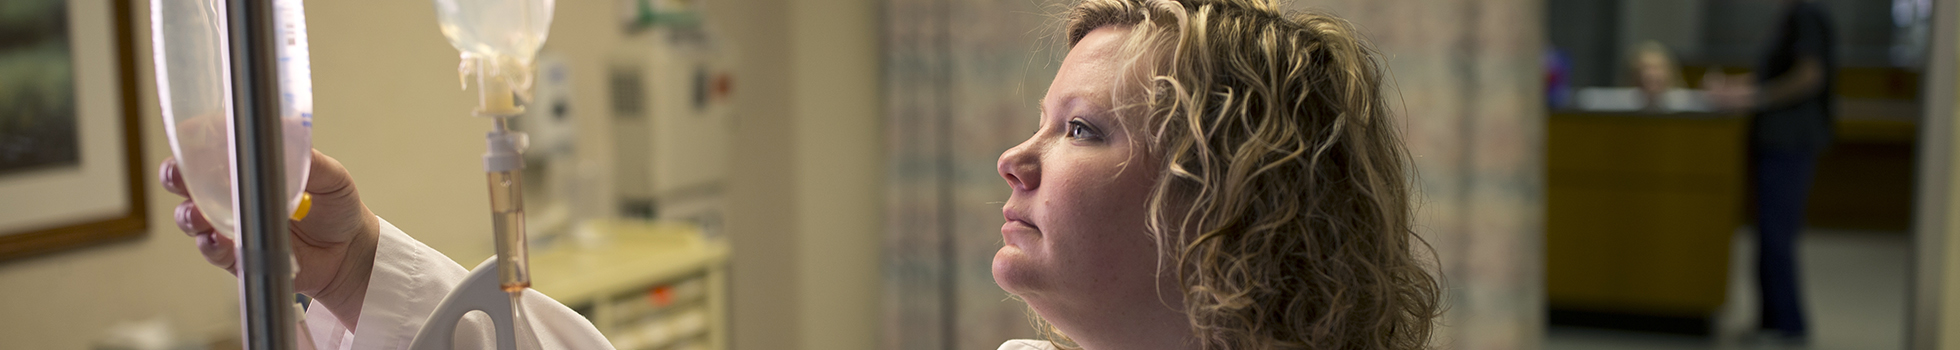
265, 257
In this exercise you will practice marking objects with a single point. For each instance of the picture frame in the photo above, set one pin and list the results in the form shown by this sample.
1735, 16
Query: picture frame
98, 197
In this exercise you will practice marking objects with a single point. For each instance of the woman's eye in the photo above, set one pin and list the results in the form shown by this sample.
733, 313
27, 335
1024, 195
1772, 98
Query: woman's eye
1081, 131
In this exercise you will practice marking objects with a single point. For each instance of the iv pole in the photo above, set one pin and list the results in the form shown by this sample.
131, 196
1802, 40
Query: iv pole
265, 257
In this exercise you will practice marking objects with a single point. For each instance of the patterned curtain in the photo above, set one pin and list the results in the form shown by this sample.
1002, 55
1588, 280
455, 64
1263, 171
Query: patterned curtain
962, 76
961, 81
1470, 77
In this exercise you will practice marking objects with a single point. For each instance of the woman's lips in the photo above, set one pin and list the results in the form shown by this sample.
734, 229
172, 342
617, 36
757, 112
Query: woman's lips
1017, 225
1016, 232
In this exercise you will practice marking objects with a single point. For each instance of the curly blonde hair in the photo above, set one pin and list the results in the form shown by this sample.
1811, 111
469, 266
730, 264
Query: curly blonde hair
1284, 202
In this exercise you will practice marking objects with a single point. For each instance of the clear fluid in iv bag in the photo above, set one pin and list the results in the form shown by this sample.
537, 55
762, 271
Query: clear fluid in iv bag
501, 35
495, 27
205, 165
193, 79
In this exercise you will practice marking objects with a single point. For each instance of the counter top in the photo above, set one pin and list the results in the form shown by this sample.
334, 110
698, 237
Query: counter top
635, 254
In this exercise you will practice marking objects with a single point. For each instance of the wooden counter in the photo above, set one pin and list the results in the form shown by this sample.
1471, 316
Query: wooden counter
1640, 209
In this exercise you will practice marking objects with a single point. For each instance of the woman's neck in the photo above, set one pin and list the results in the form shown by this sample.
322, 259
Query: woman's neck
1154, 328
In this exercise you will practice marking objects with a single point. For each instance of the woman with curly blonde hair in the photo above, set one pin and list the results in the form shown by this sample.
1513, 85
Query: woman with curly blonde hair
1214, 174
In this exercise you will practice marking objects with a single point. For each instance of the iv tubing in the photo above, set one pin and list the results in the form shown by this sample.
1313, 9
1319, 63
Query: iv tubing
507, 209
503, 163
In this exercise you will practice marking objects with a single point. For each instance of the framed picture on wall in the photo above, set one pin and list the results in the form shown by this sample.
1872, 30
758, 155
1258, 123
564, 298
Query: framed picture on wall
71, 167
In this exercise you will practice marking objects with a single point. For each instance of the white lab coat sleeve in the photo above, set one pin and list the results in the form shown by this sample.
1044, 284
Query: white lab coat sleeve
1026, 344
410, 279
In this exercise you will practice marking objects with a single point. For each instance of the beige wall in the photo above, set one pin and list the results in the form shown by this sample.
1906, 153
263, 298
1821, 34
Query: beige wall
1935, 300
762, 191
804, 194
839, 138
1946, 320
1940, 216
805, 182
62, 301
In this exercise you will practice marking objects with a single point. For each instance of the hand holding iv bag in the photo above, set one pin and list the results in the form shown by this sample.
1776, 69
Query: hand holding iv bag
193, 85
193, 73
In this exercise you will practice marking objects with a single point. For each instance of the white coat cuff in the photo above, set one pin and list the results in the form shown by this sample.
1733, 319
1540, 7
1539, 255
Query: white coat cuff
409, 280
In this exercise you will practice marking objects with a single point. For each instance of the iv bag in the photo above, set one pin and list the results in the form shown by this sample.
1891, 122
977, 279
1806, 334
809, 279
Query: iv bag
498, 38
190, 48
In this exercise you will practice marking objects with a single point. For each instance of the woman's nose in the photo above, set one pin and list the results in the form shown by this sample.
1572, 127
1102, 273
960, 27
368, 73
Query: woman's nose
1021, 167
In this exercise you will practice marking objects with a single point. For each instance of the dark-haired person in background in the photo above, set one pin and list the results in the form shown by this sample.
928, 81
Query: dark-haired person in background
1792, 118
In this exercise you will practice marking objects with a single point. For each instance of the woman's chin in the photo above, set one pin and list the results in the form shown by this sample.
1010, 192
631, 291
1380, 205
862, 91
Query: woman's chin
1014, 271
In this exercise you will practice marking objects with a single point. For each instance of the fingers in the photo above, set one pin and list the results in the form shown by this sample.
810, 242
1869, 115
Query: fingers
172, 179
327, 176
191, 220
337, 215
216, 248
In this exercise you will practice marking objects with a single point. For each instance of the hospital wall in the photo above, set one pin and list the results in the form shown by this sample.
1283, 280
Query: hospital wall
803, 195
1935, 308
1935, 298
63, 300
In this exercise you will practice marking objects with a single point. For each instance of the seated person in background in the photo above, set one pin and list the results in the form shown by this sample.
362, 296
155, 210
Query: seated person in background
1655, 73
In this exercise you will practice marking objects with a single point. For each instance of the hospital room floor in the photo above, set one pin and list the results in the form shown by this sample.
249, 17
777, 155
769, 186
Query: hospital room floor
1855, 290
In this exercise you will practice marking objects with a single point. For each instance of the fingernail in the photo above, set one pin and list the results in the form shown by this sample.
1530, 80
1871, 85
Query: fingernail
183, 218
191, 219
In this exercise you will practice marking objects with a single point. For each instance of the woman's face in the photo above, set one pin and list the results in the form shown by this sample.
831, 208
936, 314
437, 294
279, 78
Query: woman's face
1075, 240
1653, 74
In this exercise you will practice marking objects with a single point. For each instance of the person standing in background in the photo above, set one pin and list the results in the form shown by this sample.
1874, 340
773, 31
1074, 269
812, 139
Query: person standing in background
1791, 124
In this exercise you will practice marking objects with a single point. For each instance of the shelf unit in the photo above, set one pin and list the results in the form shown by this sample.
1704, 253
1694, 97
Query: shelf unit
645, 285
